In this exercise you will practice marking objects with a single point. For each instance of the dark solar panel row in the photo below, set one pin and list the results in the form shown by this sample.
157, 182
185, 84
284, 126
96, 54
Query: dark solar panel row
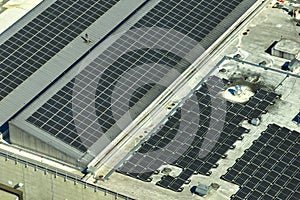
216, 130
65, 130
193, 18
269, 168
63, 117
104, 73
43, 37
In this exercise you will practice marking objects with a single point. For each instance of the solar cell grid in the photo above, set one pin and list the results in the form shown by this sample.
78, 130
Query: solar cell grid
271, 97
235, 108
237, 119
255, 113
286, 144
248, 155
229, 116
263, 105
274, 167
293, 136
231, 132
293, 184
54, 28
231, 173
42, 38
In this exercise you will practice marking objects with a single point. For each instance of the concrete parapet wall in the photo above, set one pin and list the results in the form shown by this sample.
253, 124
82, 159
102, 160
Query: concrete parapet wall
42, 184
23, 139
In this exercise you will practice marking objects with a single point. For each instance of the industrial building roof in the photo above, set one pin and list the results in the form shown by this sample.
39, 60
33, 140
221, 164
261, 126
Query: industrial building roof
40, 46
192, 131
90, 105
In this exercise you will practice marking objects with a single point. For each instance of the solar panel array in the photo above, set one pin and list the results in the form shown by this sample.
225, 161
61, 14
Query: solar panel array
269, 169
38, 41
183, 151
193, 18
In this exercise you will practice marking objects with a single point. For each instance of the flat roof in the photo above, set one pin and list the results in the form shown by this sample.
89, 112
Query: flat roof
7, 196
82, 90
251, 46
250, 41
9, 192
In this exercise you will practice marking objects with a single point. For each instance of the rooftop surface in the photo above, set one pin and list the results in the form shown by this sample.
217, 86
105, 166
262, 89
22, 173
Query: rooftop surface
7, 196
250, 41
87, 108
251, 46
49, 47
13, 10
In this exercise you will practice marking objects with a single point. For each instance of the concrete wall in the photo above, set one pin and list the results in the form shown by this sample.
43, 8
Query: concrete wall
7, 195
282, 54
26, 140
42, 185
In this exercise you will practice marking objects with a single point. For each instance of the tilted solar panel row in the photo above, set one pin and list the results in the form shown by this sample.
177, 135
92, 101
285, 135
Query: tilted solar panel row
269, 168
195, 137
